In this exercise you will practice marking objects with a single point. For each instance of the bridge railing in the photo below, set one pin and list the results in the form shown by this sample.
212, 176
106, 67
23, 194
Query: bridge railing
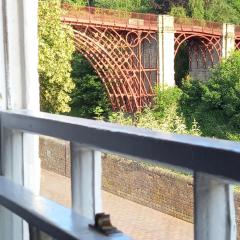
212, 161
196, 25
111, 17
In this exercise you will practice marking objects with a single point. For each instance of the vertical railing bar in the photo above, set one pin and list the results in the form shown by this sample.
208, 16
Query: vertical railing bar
86, 180
214, 210
36, 234
11, 226
97, 178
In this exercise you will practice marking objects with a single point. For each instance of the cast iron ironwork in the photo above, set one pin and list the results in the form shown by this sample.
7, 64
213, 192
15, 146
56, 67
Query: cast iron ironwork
203, 40
237, 33
114, 43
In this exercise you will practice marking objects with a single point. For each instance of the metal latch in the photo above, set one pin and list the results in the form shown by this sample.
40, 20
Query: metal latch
103, 224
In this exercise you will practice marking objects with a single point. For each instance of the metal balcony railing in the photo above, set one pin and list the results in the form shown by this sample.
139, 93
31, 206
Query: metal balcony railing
215, 164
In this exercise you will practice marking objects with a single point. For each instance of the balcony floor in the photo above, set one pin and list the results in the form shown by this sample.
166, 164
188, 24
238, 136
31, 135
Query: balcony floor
140, 222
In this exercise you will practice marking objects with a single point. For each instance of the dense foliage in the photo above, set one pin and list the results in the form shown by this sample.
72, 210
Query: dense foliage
222, 11
89, 99
126, 5
222, 91
162, 116
196, 8
55, 54
77, 3
178, 11
209, 108
216, 104
213, 10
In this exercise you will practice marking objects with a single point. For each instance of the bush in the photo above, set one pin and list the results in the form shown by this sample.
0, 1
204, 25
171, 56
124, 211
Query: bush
55, 53
163, 116
215, 104
222, 91
165, 99
192, 91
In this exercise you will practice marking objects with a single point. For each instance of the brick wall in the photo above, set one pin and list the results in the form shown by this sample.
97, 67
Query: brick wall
55, 155
151, 186
171, 193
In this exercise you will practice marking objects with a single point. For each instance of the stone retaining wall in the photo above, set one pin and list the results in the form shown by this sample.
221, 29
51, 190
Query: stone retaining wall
171, 193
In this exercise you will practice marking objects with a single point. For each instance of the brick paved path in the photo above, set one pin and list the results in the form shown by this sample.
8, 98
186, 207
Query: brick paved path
140, 222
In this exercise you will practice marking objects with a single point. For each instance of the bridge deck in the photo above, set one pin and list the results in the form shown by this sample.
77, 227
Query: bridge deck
130, 20
106, 17
198, 26
131, 24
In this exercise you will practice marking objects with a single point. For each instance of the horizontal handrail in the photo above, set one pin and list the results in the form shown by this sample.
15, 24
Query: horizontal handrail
57, 221
211, 156
197, 25
109, 16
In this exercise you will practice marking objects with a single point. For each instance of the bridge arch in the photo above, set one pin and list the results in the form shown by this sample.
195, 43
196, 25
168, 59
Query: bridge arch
238, 43
113, 56
204, 50
117, 44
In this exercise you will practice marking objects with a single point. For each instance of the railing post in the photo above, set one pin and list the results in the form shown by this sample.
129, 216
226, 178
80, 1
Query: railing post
214, 209
19, 88
11, 227
86, 180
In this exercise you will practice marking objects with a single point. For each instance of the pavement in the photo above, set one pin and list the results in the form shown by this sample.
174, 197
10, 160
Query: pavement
137, 221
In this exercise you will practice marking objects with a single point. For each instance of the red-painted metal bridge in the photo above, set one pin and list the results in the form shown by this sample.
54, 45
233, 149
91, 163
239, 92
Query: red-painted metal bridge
123, 49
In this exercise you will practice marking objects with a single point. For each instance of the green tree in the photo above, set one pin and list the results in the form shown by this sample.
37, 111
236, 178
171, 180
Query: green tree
235, 4
178, 11
215, 104
89, 99
196, 8
125, 5
221, 11
222, 91
55, 53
